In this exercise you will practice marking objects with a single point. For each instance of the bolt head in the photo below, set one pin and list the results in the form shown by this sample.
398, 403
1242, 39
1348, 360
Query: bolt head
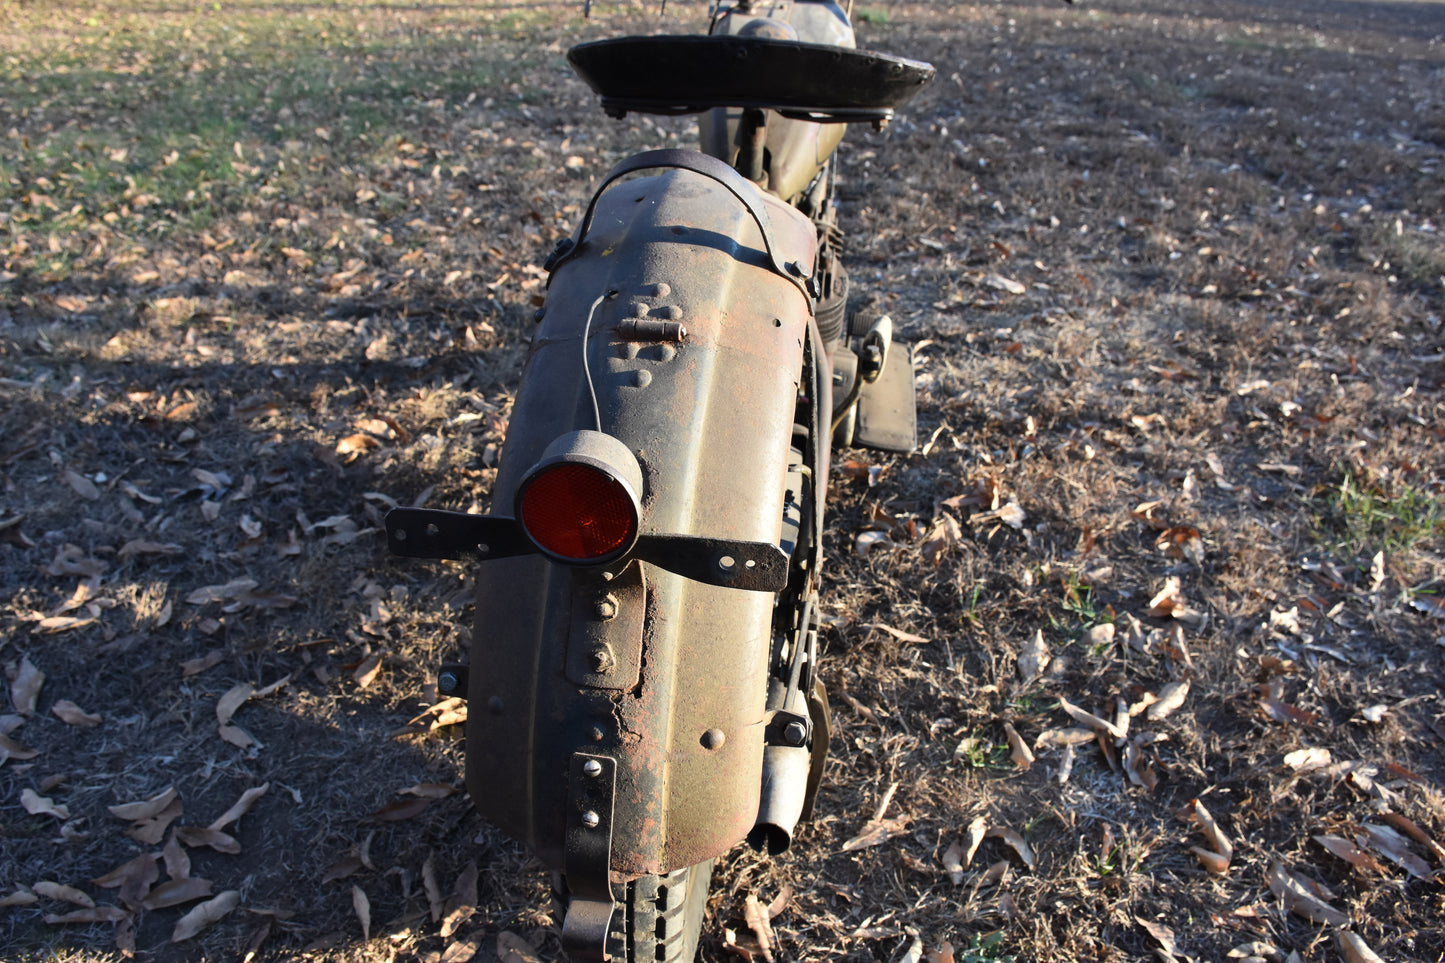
592, 767
590, 819
795, 733
447, 683
605, 608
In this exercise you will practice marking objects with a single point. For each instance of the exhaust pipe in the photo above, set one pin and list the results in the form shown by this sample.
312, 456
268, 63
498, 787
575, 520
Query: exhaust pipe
785, 788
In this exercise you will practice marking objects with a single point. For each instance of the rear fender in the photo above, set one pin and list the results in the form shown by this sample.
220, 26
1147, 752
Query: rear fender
665, 675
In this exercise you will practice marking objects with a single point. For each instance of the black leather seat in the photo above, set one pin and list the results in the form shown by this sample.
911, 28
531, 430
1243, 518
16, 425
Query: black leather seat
691, 74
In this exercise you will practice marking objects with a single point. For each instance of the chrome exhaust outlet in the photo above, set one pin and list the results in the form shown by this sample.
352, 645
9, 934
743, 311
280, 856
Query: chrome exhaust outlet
785, 789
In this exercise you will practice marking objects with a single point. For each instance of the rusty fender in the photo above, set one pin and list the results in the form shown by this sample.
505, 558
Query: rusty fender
696, 360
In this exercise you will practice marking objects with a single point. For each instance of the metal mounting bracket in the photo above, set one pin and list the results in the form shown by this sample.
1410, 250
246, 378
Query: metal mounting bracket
591, 785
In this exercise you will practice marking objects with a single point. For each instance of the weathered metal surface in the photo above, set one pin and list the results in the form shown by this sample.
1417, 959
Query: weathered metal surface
591, 785
604, 645
710, 419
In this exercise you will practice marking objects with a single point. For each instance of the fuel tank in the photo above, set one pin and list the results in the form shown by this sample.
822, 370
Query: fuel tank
797, 149
665, 675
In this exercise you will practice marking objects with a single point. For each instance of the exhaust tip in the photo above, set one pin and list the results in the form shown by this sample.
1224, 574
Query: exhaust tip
770, 839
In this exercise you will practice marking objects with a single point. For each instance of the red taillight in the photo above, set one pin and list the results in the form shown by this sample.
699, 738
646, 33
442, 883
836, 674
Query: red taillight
576, 512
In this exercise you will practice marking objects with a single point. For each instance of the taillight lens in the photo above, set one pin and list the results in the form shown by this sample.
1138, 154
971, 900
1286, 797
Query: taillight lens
576, 512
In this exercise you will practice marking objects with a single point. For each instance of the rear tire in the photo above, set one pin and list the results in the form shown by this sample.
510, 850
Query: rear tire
662, 916
660, 920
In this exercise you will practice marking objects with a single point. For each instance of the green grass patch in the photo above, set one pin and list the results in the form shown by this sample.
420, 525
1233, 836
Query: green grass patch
1364, 518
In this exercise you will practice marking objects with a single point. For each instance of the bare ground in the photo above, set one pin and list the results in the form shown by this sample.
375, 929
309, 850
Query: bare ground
1175, 277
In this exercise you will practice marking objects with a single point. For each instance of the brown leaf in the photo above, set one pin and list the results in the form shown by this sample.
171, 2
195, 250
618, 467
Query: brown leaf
977, 830
1090, 720
1351, 854
174, 892
362, 905
1053, 738
82, 486
66, 894
133, 878
10, 749
177, 860
237, 736
1298, 899
1307, 760
1022, 756
368, 670
151, 831
1171, 697
194, 836
1354, 949
228, 704
241, 806
356, 444
21, 897
38, 805
463, 901
73, 715
1182, 542
141, 546
96, 914
432, 888
25, 683
1410, 828
198, 665
1034, 659
511, 948
760, 925
401, 810
429, 790
953, 862
221, 593
463, 950
1201, 817
1016, 841
204, 915
1396, 848
147, 808
1163, 934
342, 868
943, 954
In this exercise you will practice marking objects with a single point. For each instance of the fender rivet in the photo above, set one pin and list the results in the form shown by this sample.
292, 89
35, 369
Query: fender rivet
592, 768
713, 739
590, 819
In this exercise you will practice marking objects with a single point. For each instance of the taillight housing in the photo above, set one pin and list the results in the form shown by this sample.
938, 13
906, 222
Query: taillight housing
580, 504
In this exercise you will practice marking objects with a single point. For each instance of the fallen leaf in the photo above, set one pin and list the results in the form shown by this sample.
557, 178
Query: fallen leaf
876, 832
38, 805
977, 830
1351, 854
221, 593
1354, 949
1171, 697
432, 888
463, 901
943, 953
761, 926
198, 665
1010, 514
194, 836
368, 670
1221, 851
463, 950
234, 698
1000, 283
152, 830
1053, 738
1168, 600
81, 485
66, 894
1016, 841
953, 863
73, 715
241, 806
1307, 760
1090, 720
96, 914
511, 948
204, 915
1019, 750
1394, 847
401, 810
177, 860
362, 905
867, 542
133, 878
174, 892
1163, 934
25, 683
1298, 899
1034, 659
10, 749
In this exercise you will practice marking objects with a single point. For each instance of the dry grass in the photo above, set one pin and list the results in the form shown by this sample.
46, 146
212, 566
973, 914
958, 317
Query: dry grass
231, 241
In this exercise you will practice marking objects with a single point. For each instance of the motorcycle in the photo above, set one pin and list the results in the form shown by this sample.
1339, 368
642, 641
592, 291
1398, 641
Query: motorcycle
643, 684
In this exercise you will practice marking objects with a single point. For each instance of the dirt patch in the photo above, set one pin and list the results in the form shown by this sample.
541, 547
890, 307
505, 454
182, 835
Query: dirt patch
1174, 279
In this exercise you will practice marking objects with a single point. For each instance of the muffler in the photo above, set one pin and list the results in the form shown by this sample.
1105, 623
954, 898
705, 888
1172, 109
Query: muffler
785, 789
